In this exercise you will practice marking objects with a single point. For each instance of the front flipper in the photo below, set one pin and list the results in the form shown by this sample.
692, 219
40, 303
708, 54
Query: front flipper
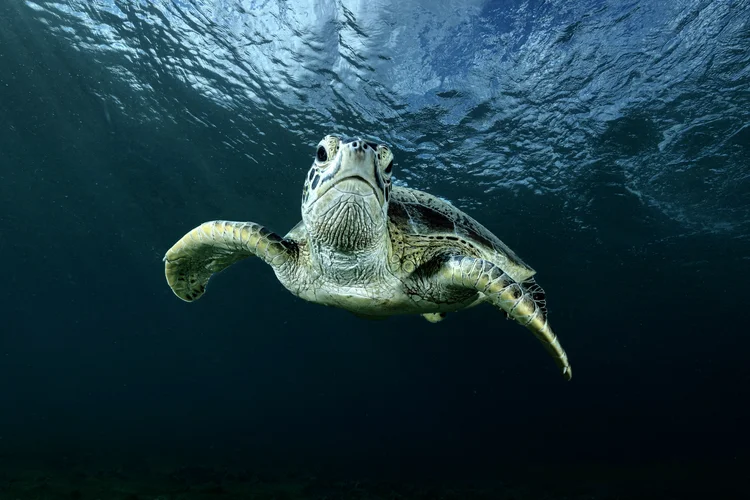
216, 245
524, 302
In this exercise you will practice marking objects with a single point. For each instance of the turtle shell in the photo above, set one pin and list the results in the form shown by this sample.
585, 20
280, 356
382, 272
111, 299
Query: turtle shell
419, 213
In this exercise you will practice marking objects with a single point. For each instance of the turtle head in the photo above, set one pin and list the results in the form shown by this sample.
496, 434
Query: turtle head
346, 193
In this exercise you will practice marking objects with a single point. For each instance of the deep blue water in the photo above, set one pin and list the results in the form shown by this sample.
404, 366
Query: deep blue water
606, 142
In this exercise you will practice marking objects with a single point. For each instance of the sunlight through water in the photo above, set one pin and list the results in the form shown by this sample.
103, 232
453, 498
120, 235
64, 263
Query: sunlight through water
494, 98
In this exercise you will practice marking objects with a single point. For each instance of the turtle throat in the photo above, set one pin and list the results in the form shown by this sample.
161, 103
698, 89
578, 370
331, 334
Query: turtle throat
353, 225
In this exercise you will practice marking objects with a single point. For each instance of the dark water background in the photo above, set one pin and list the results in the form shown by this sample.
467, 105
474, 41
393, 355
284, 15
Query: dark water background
607, 142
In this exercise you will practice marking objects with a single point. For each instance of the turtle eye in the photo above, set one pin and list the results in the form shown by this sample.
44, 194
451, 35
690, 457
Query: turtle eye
389, 167
322, 154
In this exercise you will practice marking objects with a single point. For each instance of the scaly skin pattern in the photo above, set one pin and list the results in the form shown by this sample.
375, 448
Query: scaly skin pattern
373, 249
214, 246
524, 302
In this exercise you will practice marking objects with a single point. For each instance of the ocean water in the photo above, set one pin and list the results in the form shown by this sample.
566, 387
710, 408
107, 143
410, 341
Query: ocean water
606, 142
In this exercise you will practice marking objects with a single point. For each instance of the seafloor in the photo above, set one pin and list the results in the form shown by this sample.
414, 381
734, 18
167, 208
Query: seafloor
64, 479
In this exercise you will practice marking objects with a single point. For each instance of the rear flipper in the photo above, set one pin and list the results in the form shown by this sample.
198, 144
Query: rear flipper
434, 317
524, 302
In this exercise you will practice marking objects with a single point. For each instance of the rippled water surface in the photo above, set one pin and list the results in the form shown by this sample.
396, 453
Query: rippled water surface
575, 100
606, 142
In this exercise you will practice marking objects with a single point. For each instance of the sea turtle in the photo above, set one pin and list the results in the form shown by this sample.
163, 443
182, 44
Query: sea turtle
372, 248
